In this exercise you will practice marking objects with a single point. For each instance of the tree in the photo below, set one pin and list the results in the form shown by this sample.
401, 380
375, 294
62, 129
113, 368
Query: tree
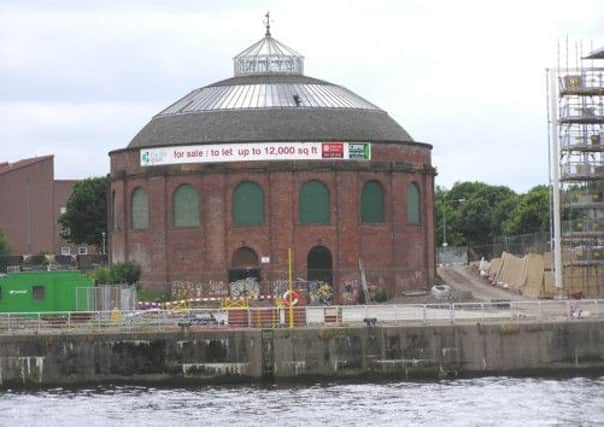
102, 276
85, 219
4, 245
531, 214
474, 211
126, 272
444, 201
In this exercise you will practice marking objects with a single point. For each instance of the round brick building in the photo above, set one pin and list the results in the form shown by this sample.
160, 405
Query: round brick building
212, 192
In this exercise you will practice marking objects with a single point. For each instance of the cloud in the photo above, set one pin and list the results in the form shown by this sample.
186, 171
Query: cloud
79, 135
81, 78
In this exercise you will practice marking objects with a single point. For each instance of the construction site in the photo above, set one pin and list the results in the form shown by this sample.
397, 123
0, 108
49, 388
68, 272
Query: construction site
576, 147
570, 263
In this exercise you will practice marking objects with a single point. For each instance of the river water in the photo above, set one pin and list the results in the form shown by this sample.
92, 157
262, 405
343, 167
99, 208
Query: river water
491, 401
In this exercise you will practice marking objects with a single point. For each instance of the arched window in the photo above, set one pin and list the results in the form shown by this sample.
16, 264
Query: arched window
413, 206
372, 203
185, 206
248, 204
140, 209
313, 203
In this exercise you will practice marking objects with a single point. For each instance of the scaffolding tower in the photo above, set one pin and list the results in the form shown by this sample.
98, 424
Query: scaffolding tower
576, 149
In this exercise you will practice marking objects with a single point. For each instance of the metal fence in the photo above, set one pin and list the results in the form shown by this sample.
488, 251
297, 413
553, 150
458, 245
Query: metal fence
156, 320
452, 255
518, 245
106, 297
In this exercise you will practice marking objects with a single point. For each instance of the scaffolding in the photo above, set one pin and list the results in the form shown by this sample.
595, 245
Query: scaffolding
576, 149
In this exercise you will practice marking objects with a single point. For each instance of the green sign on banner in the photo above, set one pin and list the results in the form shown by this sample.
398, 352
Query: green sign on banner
359, 151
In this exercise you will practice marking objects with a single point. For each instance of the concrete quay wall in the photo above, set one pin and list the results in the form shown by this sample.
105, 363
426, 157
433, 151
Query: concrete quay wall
218, 355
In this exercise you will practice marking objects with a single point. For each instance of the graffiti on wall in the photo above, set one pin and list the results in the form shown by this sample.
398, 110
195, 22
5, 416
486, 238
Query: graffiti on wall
183, 289
320, 293
279, 287
217, 289
248, 287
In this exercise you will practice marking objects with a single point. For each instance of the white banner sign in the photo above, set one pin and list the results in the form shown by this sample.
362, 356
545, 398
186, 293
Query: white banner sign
255, 152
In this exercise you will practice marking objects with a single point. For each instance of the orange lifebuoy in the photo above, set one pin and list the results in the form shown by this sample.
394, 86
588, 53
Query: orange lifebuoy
295, 297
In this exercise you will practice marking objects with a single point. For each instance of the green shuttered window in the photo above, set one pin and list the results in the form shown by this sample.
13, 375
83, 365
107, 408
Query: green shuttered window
413, 210
314, 203
248, 204
372, 203
140, 209
185, 202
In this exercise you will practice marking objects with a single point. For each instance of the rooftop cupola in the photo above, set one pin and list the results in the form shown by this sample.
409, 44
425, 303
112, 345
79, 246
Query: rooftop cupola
268, 56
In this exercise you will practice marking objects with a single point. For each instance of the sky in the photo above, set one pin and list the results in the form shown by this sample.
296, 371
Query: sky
80, 78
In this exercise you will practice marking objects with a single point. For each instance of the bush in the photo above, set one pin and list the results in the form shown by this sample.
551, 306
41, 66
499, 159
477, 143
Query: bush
125, 272
102, 276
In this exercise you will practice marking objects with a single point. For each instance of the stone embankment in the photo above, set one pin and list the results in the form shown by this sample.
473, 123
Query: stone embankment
221, 355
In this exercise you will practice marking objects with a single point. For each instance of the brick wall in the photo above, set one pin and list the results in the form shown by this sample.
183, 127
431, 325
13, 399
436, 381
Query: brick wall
26, 206
30, 206
396, 255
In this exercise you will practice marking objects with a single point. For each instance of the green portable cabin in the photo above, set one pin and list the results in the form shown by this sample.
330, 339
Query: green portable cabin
41, 291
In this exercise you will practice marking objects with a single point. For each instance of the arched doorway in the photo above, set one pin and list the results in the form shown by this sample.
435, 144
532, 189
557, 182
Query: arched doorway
319, 274
244, 264
319, 265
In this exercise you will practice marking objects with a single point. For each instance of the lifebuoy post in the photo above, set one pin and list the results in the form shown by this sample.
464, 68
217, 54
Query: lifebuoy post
288, 299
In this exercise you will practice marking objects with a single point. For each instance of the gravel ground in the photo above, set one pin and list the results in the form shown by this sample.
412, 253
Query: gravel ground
466, 286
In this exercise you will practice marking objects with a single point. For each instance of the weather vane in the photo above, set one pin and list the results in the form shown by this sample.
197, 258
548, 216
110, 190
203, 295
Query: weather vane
267, 22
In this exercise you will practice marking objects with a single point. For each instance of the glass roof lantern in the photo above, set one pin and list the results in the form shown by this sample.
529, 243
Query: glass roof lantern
268, 56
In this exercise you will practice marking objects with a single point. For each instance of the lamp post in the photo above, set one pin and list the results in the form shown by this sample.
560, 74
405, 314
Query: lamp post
104, 235
445, 244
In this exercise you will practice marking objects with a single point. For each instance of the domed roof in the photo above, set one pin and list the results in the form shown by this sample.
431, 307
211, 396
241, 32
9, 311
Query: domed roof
269, 99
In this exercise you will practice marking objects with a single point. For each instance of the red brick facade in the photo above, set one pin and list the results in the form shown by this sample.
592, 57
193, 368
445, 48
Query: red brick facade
30, 205
396, 255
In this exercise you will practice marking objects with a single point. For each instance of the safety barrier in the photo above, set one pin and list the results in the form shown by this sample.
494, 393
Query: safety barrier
158, 320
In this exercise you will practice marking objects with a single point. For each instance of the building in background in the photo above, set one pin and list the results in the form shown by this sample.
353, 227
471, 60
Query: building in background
217, 187
31, 201
576, 115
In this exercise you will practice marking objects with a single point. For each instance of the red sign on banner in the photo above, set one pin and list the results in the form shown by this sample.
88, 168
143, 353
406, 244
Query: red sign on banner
333, 150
